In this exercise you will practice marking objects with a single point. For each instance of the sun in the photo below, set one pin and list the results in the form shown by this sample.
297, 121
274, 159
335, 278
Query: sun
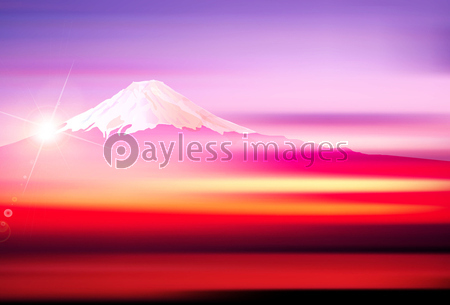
47, 132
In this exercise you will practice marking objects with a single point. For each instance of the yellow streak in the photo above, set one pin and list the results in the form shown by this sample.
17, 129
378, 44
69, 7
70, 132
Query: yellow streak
308, 185
204, 196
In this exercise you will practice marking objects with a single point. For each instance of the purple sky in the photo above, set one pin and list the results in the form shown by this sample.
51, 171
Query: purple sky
230, 56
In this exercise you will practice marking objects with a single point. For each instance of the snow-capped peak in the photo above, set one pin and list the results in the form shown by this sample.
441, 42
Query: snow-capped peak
144, 105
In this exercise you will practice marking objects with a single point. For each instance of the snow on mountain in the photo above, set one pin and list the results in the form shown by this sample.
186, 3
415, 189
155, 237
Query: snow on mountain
144, 105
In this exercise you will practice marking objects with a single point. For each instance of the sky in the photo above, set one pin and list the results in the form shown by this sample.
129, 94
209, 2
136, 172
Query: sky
230, 57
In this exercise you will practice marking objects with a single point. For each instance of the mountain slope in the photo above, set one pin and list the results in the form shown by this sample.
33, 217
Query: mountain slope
144, 105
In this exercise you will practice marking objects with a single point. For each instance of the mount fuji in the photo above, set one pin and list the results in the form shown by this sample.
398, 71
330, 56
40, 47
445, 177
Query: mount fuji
145, 105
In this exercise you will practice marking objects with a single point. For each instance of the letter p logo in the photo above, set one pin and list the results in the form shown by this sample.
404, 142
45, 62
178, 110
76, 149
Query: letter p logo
133, 148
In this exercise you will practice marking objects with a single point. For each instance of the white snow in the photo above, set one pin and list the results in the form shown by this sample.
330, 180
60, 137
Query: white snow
144, 105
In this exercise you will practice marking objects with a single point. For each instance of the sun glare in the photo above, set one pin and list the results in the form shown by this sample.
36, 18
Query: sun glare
47, 132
